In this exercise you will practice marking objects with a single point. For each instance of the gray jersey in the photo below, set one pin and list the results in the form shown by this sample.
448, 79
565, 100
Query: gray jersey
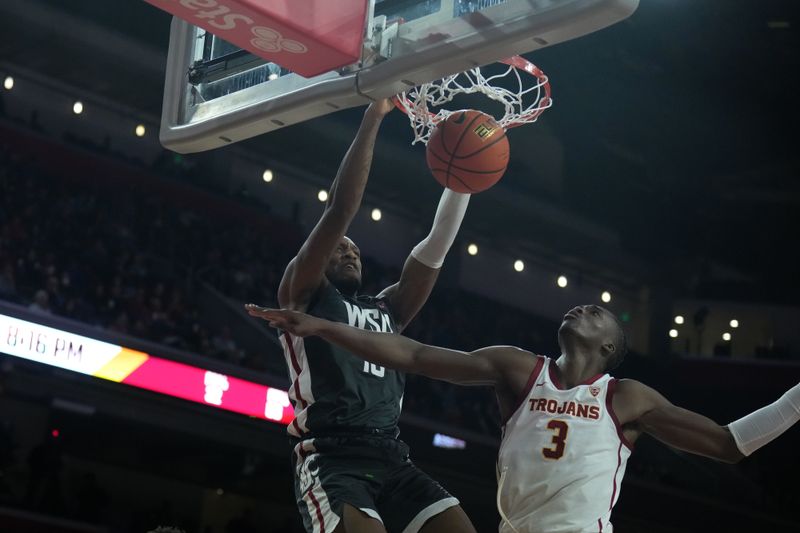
332, 390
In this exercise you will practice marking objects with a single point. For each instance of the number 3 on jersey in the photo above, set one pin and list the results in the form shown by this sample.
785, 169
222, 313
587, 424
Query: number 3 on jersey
560, 430
375, 370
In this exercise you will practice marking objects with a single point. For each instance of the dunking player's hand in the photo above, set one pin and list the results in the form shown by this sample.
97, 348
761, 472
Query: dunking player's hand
295, 322
382, 106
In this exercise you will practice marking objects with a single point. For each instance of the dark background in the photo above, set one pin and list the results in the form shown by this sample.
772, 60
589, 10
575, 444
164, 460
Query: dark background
674, 130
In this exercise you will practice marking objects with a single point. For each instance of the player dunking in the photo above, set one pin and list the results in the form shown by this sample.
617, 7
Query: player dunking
569, 427
352, 473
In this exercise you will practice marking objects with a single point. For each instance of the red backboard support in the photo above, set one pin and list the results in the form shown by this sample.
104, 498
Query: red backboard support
308, 37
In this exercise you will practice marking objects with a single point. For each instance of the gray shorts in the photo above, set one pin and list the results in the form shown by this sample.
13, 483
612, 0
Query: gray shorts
371, 473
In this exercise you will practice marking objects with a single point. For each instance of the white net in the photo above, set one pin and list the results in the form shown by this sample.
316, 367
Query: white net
527, 98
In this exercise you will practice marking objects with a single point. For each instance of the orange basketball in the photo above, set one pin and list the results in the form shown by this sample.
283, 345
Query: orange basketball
468, 152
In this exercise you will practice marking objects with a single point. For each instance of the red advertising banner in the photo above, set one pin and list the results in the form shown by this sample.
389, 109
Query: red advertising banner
308, 37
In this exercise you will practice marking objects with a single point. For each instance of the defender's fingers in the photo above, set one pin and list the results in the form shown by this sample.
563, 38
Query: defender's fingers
264, 312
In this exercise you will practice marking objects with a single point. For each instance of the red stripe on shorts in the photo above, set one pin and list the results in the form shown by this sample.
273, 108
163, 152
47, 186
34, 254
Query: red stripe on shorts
319, 511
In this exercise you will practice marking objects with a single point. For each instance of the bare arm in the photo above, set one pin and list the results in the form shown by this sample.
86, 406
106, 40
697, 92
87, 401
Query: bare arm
407, 296
487, 366
643, 408
422, 267
306, 271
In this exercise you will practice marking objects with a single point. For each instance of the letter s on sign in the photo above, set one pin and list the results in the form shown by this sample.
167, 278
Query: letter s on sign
229, 21
198, 4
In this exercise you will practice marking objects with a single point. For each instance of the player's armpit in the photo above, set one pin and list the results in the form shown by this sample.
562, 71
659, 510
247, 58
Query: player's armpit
638, 404
407, 296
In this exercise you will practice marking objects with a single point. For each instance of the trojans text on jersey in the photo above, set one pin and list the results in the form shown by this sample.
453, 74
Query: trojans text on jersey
579, 409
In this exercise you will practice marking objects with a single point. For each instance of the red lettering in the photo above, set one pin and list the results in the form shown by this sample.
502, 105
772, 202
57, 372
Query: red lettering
594, 412
552, 406
532, 401
583, 410
571, 408
540, 405
562, 408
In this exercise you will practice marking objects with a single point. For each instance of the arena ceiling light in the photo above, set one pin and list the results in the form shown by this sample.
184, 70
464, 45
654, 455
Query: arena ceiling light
519, 266
472, 249
673, 333
376, 214
726, 336
606, 296
140, 130
679, 319
8, 83
562, 281
267, 176
77, 107
322, 195
734, 323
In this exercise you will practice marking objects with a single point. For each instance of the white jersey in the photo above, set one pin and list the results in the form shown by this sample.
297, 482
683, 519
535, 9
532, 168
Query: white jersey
562, 457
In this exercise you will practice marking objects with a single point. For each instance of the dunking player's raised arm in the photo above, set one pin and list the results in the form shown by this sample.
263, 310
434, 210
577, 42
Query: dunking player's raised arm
407, 296
642, 409
306, 272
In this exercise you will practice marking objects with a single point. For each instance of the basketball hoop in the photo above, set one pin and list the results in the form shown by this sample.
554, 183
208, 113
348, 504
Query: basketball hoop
417, 102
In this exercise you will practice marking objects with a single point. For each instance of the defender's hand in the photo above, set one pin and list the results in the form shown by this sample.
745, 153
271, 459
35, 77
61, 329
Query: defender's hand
295, 322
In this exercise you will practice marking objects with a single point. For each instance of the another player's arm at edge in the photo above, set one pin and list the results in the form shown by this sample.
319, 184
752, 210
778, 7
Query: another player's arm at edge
642, 409
306, 272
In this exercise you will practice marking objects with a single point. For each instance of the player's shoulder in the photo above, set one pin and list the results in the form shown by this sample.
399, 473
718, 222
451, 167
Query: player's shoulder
509, 358
633, 390
504, 349
628, 385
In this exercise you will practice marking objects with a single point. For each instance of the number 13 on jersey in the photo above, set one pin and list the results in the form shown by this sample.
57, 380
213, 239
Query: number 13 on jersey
559, 442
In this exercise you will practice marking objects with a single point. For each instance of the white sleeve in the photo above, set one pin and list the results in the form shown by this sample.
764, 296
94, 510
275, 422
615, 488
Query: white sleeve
433, 249
760, 427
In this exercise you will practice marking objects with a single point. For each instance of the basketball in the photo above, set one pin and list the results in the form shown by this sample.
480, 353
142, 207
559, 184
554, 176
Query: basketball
468, 152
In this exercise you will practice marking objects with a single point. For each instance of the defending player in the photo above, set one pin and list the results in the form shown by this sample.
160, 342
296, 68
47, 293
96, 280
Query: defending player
569, 427
352, 473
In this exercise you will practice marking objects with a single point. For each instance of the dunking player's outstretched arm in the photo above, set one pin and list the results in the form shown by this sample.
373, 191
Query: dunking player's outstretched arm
641, 409
407, 296
306, 272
